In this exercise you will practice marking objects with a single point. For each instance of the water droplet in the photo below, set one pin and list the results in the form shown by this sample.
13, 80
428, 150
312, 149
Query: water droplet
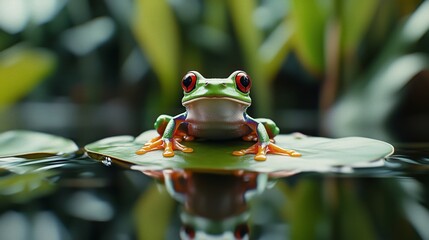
107, 161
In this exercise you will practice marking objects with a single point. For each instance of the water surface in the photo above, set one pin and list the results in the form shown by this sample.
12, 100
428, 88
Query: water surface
81, 198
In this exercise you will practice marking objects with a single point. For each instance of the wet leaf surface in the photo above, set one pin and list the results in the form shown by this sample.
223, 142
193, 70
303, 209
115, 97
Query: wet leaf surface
33, 144
318, 154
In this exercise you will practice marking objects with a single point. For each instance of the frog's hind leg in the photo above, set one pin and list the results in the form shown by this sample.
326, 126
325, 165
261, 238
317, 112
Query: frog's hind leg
251, 137
182, 133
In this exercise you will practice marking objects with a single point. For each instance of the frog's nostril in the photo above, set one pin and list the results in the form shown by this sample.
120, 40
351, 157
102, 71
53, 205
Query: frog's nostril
206, 84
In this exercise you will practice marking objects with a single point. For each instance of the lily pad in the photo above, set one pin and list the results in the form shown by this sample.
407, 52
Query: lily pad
27, 143
318, 154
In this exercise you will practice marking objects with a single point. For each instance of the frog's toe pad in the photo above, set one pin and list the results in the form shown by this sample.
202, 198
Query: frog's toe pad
167, 145
295, 154
275, 149
260, 157
168, 153
151, 146
239, 153
260, 151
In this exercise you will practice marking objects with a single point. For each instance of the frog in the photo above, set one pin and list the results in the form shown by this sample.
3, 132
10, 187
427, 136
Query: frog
216, 109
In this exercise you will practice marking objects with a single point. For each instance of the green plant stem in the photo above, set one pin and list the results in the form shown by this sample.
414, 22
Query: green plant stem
332, 55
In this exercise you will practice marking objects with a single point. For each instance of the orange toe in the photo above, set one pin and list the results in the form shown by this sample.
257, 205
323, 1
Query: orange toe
261, 151
164, 144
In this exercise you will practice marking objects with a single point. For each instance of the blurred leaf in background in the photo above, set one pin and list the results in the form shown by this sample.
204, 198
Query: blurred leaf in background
16, 15
340, 43
367, 104
157, 32
123, 60
354, 208
21, 69
153, 205
309, 19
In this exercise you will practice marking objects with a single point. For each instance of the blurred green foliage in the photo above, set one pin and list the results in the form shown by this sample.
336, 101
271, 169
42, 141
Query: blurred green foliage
155, 203
382, 208
21, 69
91, 52
361, 56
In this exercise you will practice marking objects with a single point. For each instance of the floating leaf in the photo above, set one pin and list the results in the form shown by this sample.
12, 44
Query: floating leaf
24, 143
318, 154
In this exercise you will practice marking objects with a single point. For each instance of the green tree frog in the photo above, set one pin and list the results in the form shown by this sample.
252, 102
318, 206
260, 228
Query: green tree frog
216, 110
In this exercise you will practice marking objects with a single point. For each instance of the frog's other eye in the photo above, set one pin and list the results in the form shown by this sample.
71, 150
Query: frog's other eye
243, 82
189, 81
241, 231
188, 231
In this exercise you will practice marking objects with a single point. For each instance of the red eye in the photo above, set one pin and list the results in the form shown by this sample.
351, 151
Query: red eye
189, 81
241, 231
242, 81
189, 231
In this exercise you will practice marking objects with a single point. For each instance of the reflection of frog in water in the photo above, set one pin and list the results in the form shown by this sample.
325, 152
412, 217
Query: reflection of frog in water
216, 109
214, 204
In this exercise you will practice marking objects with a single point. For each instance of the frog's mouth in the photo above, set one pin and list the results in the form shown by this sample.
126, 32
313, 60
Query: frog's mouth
223, 99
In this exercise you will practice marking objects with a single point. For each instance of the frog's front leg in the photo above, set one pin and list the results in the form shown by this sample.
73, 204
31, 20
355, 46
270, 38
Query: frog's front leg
263, 144
169, 141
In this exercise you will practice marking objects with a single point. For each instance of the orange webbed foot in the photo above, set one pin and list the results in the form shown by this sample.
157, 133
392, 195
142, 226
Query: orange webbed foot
168, 145
261, 150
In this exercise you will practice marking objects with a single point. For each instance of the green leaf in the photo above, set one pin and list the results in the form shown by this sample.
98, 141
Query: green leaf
157, 33
376, 99
376, 94
318, 154
250, 40
309, 18
275, 48
27, 143
405, 37
355, 19
249, 36
21, 69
